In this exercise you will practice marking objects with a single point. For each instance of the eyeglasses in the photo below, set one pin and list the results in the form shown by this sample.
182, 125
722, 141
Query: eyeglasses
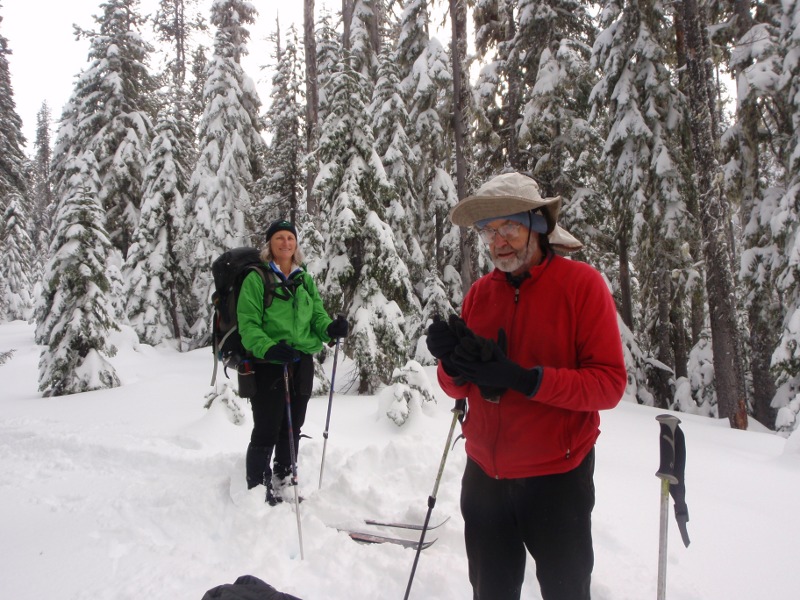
508, 231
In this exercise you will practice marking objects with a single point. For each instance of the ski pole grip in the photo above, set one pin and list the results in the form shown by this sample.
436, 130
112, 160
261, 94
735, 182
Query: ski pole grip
666, 469
332, 343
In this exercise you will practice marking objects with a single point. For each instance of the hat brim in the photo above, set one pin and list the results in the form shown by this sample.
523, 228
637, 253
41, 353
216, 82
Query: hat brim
563, 240
477, 208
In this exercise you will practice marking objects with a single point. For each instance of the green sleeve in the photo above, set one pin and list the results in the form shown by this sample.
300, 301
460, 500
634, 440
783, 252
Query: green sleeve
319, 319
250, 313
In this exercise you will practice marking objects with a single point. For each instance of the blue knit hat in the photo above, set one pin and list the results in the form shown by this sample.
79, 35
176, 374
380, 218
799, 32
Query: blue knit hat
529, 218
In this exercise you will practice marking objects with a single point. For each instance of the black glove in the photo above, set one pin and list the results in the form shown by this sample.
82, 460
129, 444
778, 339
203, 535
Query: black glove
473, 348
441, 339
484, 363
338, 328
281, 352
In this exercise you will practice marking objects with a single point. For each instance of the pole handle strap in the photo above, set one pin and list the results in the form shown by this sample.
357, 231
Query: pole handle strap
672, 468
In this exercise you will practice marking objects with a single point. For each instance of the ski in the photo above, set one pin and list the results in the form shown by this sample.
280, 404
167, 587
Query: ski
370, 538
414, 526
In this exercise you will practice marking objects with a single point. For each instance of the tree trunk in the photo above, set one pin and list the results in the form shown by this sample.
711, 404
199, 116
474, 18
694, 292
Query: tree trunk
458, 19
511, 100
312, 105
625, 303
715, 217
662, 380
680, 336
347, 19
764, 323
763, 339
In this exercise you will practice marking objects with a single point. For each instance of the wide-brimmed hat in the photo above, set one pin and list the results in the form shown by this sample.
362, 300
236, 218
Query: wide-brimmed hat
508, 194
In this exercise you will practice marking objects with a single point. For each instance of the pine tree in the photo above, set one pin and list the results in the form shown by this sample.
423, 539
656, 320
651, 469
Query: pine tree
361, 271
312, 101
174, 23
155, 274
754, 182
197, 85
110, 114
328, 53
13, 182
426, 84
16, 251
644, 166
715, 220
554, 133
391, 123
494, 28
784, 220
284, 122
74, 314
43, 202
229, 145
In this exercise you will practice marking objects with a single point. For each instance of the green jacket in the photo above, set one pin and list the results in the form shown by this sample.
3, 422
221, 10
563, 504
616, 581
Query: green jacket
297, 318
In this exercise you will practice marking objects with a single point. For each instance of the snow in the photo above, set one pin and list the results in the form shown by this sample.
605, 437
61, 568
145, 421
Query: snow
138, 491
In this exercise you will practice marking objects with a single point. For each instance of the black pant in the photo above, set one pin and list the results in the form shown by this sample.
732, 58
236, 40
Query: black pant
270, 425
550, 516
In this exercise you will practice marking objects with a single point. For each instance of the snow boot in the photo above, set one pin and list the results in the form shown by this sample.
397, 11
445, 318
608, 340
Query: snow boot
272, 498
282, 482
257, 465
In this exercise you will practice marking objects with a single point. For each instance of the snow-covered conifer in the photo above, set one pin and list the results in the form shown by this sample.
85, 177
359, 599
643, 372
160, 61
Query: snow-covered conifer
155, 274
784, 220
12, 158
644, 165
228, 164
16, 273
754, 170
110, 114
391, 123
410, 389
361, 270
284, 179
329, 50
74, 314
43, 202
427, 90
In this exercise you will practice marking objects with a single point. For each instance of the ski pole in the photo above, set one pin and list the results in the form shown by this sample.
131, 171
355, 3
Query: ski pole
328, 418
293, 455
672, 449
457, 411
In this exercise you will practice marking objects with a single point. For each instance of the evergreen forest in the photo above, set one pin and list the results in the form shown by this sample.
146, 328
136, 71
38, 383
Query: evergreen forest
671, 130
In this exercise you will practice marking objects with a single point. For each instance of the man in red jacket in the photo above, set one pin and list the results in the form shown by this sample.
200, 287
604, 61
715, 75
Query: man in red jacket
537, 353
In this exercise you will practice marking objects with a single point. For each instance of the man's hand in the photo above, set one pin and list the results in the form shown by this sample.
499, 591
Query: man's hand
483, 362
441, 340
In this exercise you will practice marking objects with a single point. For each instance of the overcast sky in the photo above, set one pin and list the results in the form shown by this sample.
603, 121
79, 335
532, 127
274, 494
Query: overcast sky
46, 57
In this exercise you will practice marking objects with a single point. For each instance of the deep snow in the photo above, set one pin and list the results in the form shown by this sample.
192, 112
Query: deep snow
137, 492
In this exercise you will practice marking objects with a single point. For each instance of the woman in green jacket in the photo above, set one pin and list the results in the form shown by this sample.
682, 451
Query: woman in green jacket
284, 334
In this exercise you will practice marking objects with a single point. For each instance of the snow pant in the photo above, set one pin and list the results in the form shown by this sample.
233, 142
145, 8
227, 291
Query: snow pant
549, 515
270, 425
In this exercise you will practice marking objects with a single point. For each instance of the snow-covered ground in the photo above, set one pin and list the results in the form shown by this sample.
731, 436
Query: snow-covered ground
137, 492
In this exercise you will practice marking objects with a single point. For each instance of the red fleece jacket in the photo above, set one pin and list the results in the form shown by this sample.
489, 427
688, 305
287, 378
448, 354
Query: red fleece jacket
563, 319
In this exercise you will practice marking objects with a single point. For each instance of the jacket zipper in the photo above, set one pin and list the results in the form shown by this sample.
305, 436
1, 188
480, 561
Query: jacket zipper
499, 412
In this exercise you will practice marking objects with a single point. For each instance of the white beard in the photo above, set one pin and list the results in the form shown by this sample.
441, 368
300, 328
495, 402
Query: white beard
522, 258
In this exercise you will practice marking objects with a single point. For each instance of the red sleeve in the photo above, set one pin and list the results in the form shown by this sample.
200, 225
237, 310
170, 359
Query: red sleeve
600, 376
